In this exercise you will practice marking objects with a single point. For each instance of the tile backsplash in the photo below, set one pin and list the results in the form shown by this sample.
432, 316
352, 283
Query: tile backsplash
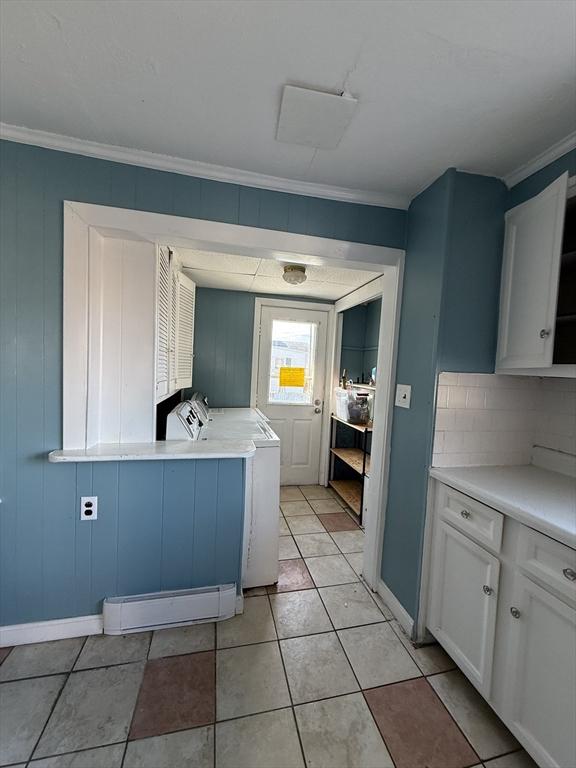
488, 419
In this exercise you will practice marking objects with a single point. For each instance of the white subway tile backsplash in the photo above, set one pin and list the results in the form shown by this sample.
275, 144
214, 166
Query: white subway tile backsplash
488, 419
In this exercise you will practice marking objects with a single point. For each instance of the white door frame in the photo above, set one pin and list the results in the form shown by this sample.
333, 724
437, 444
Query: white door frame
388, 287
263, 301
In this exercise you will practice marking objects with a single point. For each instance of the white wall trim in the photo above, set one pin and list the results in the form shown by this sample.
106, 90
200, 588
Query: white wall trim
541, 160
400, 613
57, 629
201, 170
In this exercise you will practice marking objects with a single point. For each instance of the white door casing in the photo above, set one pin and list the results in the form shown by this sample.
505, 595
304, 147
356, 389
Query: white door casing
295, 413
530, 273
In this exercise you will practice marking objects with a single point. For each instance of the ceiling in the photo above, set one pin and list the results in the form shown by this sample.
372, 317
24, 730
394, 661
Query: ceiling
483, 85
262, 276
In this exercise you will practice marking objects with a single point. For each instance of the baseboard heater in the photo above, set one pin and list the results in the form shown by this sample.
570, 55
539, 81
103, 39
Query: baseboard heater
158, 610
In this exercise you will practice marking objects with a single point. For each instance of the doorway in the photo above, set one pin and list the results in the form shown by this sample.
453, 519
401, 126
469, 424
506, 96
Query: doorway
289, 377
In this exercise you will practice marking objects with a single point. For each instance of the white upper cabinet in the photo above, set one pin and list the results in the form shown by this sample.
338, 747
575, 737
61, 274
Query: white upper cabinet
530, 275
184, 331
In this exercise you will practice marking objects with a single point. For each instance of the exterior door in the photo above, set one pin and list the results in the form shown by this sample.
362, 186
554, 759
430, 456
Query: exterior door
290, 386
464, 593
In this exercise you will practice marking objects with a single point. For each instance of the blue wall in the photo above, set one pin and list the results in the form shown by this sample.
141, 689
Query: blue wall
360, 332
448, 322
50, 565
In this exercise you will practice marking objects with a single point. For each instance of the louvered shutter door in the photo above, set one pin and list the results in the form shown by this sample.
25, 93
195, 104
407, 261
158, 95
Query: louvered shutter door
185, 331
162, 323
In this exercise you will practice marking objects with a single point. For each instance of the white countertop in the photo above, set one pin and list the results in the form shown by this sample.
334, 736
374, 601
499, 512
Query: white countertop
537, 497
163, 450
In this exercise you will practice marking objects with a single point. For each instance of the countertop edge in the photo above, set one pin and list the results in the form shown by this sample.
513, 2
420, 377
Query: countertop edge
159, 451
511, 510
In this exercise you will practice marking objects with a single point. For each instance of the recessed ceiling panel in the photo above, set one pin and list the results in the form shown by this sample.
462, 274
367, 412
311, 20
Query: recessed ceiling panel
352, 277
225, 281
219, 262
309, 289
314, 118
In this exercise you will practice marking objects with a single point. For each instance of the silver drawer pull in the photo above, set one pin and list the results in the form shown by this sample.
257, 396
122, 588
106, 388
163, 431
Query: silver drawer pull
487, 590
515, 612
570, 574
465, 514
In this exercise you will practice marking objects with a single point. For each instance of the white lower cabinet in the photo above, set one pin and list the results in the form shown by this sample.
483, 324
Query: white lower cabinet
463, 602
519, 620
540, 680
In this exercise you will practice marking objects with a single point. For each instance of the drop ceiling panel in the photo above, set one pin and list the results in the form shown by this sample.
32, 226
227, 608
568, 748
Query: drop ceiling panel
219, 262
349, 277
222, 280
314, 118
310, 289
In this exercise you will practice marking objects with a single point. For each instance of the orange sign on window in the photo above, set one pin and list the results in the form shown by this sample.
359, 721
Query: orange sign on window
291, 377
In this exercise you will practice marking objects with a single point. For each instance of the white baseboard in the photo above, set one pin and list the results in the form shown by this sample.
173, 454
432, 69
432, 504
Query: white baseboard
57, 629
400, 613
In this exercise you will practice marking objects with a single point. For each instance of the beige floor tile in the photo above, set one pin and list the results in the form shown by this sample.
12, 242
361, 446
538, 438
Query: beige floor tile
290, 493
101, 757
377, 655
294, 508
316, 492
483, 729
104, 650
305, 524
316, 545
39, 659
250, 679
350, 605
356, 560
331, 569
287, 549
519, 759
341, 733
25, 706
171, 750
430, 658
259, 741
180, 640
299, 613
255, 625
95, 708
325, 506
349, 541
284, 530
317, 667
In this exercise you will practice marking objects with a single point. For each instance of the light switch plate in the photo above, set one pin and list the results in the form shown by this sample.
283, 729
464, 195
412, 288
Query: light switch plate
403, 395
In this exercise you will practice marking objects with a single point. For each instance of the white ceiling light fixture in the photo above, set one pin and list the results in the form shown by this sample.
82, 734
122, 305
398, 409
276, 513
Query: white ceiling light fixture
294, 274
314, 118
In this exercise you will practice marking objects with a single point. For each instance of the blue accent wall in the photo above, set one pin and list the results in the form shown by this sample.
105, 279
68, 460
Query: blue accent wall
360, 332
535, 183
448, 322
148, 534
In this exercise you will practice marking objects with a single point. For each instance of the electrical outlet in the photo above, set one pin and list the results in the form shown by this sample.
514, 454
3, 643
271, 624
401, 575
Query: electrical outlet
403, 395
89, 508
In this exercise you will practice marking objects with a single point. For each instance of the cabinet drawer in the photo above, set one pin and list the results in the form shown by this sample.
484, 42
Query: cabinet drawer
481, 523
548, 560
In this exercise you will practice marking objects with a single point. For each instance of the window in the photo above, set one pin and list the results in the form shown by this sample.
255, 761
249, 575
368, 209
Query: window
292, 360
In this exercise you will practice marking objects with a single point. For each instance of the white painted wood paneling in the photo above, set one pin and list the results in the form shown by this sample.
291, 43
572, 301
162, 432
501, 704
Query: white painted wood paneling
530, 273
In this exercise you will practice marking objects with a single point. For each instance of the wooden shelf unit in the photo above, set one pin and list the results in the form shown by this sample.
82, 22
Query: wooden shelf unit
349, 491
358, 459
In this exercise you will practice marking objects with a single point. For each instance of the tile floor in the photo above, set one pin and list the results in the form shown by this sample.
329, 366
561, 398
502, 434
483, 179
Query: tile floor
314, 673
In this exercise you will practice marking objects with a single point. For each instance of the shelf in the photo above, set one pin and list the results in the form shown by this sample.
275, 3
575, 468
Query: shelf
369, 387
353, 457
349, 491
357, 427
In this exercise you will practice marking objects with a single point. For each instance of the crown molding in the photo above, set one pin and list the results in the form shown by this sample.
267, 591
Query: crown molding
201, 170
542, 160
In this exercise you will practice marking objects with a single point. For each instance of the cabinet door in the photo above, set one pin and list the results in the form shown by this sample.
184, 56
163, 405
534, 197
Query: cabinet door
185, 303
162, 322
541, 674
463, 597
530, 272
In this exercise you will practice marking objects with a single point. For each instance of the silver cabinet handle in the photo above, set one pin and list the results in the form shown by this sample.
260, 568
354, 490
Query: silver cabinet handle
465, 514
515, 612
570, 574
487, 590
544, 333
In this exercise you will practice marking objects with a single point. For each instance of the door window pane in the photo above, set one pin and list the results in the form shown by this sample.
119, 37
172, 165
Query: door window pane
293, 348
